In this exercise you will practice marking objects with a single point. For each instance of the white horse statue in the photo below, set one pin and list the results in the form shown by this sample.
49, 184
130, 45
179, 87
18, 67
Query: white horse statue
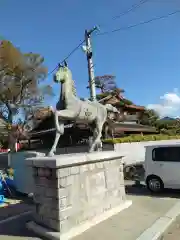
71, 108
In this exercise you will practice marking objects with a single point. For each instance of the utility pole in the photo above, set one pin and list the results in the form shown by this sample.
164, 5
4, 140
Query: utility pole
88, 50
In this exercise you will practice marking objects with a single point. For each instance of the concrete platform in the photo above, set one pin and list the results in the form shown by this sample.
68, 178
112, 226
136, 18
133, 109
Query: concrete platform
42, 231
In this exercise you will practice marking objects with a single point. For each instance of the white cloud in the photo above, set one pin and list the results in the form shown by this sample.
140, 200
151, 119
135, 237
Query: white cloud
169, 104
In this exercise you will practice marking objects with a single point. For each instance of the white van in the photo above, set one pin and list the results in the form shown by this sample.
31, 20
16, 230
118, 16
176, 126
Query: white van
162, 167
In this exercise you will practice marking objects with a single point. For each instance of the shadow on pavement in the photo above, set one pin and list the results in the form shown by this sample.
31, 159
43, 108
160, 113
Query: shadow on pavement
3, 160
14, 210
15, 228
141, 190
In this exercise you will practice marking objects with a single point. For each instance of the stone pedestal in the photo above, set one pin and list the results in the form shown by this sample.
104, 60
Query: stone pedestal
73, 192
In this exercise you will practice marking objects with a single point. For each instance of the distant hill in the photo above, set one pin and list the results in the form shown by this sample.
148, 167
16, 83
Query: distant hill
168, 118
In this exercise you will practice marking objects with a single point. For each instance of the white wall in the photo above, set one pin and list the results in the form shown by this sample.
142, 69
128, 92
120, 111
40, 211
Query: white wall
23, 176
135, 152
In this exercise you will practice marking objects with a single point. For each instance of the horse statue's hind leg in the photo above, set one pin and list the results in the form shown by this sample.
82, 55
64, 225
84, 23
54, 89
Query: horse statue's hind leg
59, 131
97, 135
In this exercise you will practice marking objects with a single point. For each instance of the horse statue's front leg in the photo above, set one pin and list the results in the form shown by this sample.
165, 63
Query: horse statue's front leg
66, 114
59, 132
53, 149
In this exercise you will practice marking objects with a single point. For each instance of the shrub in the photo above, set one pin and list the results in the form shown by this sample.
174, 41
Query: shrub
141, 138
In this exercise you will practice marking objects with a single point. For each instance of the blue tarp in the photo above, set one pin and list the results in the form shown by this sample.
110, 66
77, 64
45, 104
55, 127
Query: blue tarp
6, 183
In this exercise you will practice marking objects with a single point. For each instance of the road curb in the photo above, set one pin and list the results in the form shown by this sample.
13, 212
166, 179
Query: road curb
161, 225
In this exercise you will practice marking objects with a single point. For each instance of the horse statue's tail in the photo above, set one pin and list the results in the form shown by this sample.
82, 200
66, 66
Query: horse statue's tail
110, 108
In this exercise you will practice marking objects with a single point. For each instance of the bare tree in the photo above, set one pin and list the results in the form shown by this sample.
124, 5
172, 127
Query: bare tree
105, 83
21, 81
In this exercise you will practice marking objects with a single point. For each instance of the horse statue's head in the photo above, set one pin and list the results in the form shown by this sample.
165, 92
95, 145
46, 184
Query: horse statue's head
63, 74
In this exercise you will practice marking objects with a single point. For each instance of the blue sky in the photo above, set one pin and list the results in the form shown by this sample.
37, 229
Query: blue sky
145, 59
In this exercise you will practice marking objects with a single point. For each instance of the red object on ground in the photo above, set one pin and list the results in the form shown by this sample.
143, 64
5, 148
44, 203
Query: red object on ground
4, 150
18, 146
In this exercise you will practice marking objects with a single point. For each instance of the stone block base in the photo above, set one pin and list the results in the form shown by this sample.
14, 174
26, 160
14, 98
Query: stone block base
52, 235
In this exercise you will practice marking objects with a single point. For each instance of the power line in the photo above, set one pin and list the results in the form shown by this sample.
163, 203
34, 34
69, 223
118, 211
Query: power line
52, 71
134, 6
68, 56
138, 24
76, 48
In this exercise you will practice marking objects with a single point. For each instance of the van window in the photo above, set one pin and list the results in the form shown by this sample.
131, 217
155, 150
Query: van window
166, 154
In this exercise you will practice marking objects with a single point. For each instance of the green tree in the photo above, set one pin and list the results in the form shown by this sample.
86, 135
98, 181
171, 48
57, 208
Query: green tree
168, 126
150, 117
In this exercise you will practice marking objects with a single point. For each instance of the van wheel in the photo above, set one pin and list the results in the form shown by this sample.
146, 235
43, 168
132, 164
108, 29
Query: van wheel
154, 184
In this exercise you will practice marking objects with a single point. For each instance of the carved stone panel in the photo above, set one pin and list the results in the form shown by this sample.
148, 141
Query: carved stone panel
96, 187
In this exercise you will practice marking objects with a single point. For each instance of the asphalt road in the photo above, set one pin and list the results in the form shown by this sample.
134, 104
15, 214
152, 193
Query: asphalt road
16, 230
143, 206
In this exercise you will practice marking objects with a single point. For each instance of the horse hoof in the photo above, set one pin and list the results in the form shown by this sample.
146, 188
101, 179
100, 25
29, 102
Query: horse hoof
50, 154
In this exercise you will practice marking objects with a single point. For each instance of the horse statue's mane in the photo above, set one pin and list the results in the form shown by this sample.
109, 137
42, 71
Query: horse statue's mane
74, 88
72, 83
